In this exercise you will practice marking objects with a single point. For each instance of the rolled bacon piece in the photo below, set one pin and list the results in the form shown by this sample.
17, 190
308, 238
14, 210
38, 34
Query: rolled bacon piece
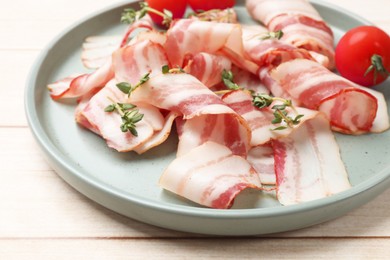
301, 24
188, 37
210, 175
349, 108
308, 164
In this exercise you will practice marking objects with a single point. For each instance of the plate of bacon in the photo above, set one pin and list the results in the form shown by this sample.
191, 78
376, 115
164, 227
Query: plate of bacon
227, 122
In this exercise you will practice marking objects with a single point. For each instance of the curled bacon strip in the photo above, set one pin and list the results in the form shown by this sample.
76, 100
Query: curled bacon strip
349, 108
210, 175
301, 24
188, 37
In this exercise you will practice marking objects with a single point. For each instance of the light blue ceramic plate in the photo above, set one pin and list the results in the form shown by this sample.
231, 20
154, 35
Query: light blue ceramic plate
127, 183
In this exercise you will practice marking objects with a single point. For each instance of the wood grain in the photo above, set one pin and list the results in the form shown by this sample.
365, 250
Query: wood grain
42, 217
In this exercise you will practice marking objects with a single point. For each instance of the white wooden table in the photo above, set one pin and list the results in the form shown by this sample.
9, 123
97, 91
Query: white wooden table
41, 217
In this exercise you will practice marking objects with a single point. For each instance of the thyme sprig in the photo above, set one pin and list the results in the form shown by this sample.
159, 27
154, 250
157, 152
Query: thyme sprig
130, 15
264, 100
166, 70
129, 113
280, 110
127, 88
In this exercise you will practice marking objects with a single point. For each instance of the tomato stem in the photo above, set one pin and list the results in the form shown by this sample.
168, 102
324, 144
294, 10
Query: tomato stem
377, 67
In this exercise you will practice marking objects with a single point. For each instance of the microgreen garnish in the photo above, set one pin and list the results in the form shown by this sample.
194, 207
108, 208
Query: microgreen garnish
127, 88
129, 113
280, 112
165, 70
214, 15
130, 15
272, 35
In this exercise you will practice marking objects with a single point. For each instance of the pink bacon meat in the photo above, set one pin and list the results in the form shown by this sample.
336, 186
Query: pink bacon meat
308, 164
301, 24
189, 98
260, 120
188, 37
210, 175
350, 109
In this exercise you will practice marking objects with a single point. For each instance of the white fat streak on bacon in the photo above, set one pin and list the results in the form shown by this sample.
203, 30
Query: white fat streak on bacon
262, 160
226, 129
181, 93
260, 120
313, 86
134, 28
132, 62
74, 87
159, 136
210, 175
208, 68
308, 164
301, 24
303, 32
269, 52
265, 10
96, 50
248, 80
188, 97
107, 124
188, 37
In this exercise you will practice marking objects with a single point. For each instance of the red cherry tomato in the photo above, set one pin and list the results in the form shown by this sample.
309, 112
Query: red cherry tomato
363, 55
206, 5
177, 7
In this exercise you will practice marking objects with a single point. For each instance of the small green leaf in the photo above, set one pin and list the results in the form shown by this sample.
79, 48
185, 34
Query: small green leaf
279, 128
124, 87
110, 108
165, 69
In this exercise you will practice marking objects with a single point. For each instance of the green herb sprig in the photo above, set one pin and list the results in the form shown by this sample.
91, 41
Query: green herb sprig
129, 113
264, 100
130, 15
280, 113
127, 88
166, 70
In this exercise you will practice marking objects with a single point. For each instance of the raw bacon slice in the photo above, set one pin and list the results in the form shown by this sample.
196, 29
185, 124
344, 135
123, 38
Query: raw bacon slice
301, 24
269, 53
208, 68
131, 62
188, 37
262, 160
96, 50
187, 96
308, 164
248, 80
76, 86
348, 107
266, 10
210, 175
224, 129
158, 137
107, 124
260, 120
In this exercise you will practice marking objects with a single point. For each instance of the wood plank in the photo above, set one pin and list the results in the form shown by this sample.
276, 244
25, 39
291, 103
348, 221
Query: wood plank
30, 186
14, 67
239, 248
